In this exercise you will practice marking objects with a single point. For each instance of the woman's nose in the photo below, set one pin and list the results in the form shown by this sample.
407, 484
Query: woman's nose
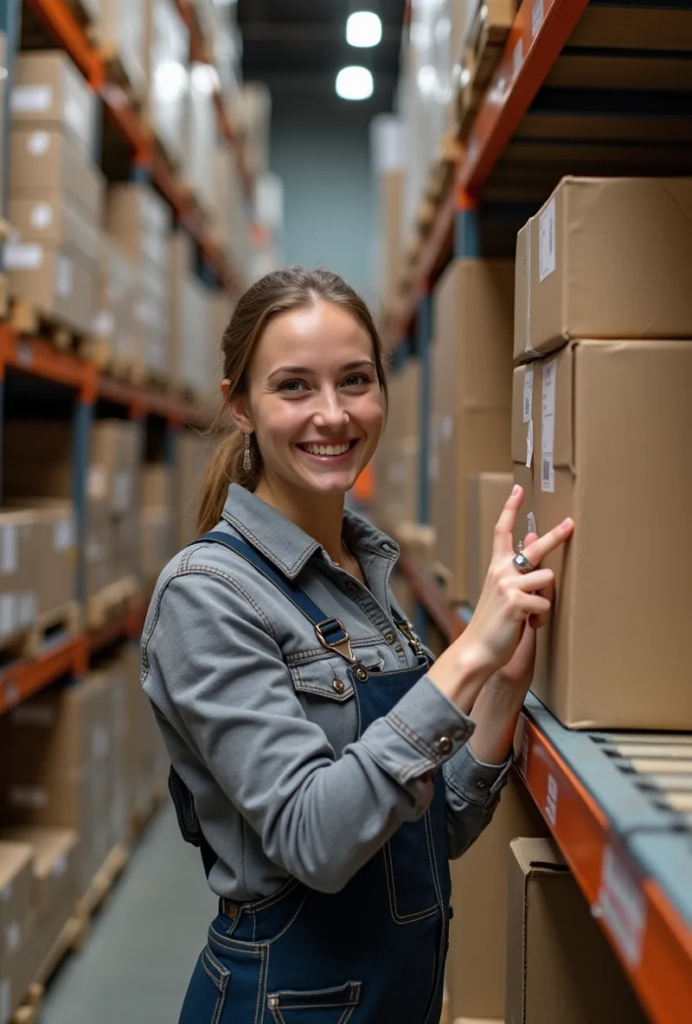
331, 410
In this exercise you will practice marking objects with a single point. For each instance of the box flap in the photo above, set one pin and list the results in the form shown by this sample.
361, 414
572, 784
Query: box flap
14, 857
537, 856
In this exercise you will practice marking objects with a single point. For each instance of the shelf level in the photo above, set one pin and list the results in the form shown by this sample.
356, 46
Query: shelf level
631, 858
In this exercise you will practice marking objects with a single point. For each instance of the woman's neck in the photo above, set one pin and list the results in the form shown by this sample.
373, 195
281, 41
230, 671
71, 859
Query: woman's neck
320, 516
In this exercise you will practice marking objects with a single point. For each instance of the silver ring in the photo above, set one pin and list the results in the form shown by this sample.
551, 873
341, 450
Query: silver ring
522, 564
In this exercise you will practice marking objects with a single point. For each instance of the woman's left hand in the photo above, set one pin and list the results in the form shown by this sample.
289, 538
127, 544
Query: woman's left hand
518, 672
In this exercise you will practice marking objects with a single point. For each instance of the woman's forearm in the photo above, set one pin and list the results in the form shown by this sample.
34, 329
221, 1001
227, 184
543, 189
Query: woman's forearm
496, 712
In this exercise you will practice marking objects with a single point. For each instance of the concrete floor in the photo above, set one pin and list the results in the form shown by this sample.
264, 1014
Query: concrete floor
142, 948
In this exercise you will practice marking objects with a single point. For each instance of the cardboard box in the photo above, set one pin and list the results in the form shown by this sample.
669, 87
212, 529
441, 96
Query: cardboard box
117, 288
49, 91
156, 541
524, 401
167, 51
43, 163
18, 954
122, 28
55, 543
158, 479
487, 495
18, 572
201, 124
606, 258
611, 422
99, 563
193, 454
55, 220
55, 880
471, 398
476, 959
55, 281
140, 221
559, 964
398, 456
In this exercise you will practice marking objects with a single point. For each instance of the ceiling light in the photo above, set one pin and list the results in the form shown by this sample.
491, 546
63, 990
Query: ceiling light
363, 29
354, 83
205, 78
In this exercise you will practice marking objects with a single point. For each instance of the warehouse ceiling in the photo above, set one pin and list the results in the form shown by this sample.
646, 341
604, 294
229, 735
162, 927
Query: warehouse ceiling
302, 40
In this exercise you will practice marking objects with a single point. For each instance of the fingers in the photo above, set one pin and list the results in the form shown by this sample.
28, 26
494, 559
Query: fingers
538, 549
529, 605
504, 530
537, 582
529, 539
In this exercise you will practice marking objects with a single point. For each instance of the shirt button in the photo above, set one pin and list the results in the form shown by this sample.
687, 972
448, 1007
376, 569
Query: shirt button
389, 637
480, 784
399, 649
338, 686
362, 674
445, 745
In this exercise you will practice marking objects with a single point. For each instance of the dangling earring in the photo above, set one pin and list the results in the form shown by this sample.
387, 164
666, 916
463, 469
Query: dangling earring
247, 456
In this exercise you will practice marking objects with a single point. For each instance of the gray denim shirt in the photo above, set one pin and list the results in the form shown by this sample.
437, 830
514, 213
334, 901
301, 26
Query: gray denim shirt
259, 719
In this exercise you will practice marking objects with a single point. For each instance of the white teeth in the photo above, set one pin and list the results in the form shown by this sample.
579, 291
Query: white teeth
329, 449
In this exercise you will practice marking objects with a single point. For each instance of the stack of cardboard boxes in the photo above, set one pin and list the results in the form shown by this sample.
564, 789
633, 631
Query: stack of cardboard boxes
201, 131
193, 454
192, 345
167, 59
398, 453
19, 574
232, 221
56, 191
118, 326
157, 535
601, 420
139, 220
121, 31
471, 407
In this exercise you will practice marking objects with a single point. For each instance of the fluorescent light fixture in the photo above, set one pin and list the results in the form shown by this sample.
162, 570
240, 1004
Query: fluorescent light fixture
354, 83
205, 78
170, 81
363, 29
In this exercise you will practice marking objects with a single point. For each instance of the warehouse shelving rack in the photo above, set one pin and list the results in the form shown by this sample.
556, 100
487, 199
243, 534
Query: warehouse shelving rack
81, 378
606, 797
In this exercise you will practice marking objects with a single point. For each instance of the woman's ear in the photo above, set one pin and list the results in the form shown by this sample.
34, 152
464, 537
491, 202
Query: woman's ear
240, 414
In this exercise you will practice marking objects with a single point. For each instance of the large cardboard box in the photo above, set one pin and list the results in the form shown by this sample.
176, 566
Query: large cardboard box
156, 542
43, 163
471, 398
140, 220
606, 258
18, 955
55, 281
49, 91
391, 186
55, 880
56, 221
476, 959
559, 964
55, 543
398, 458
487, 495
19, 570
192, 458
56, 769
167, 51
122, 29
611, 422
117, 291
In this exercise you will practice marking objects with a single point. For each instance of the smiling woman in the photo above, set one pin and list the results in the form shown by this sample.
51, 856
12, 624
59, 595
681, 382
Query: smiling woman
321, 761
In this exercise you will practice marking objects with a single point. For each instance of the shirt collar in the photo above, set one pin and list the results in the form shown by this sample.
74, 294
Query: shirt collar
284, 544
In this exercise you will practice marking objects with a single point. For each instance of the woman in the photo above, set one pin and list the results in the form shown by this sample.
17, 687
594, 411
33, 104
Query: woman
326, 768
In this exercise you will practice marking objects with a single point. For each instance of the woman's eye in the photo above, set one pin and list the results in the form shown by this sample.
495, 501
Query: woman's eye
293, 386
356, 380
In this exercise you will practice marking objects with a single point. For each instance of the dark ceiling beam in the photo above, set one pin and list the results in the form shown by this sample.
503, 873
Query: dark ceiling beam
262, 32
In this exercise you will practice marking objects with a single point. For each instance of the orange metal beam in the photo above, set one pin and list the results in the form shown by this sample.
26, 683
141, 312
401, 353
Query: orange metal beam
61, 23
40, 359
662, 970
531, 51
21, 680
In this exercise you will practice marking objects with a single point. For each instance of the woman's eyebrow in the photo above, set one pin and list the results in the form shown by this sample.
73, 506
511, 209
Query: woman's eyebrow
306, 369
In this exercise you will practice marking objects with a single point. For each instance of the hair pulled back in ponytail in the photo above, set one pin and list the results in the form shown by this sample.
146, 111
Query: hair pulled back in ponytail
276, 293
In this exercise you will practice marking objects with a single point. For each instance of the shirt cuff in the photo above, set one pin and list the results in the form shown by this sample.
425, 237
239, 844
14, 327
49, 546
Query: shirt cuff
424, 730
474, 781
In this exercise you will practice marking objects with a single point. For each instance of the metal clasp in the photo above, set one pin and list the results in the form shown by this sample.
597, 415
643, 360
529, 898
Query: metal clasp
413, 639
342, 646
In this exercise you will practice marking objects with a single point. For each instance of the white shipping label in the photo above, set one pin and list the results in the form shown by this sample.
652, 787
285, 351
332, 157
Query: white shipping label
547, 257
26, 256
64, 535
7, 603
64, 276
528, 395
35, 797
38, 143
622, 906
13, 936
548, 427
28, 609
31, 99
529, 445
73, 115
41, 216
122, 491
550, 808
5, 1000
97, 483
103, 325
517, 58
536, 18
9, 550
447, 428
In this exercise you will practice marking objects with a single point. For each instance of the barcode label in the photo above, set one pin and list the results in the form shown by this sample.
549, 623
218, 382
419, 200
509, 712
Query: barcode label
547, 467
548, 427
528, 395
547, 258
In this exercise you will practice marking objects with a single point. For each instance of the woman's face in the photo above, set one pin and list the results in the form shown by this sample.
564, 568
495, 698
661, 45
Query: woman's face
314, 399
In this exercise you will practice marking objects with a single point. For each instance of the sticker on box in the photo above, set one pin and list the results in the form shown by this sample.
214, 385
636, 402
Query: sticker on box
41, 216
547, 254
38, 143
31, 99
548, 427
536, 18
64, 276
23, 256
9, 549
63, 535
7, 614
528, 395
529, 445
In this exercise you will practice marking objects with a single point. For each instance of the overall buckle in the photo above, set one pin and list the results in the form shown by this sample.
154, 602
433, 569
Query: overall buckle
413, 639
333, 636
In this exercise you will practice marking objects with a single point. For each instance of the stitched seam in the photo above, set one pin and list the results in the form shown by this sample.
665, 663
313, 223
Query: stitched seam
212, 570
398, 918
409, 733
319, 653
240, 945
326, 692
213, 963
146, 637
425, 764
262, 986
244, 530
456, 787
277, 896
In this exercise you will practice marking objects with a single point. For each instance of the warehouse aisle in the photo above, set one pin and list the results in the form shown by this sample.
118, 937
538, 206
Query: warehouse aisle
141, 950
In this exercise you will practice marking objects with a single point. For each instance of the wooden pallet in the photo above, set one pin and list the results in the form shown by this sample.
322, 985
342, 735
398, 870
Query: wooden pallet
113, 600
58, 624
127, 368
26, 318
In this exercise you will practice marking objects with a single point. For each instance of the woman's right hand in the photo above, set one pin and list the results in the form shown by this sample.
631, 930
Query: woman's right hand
509, 598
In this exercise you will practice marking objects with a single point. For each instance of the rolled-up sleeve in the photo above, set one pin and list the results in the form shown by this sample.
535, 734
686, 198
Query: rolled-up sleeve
473, 792
319, 817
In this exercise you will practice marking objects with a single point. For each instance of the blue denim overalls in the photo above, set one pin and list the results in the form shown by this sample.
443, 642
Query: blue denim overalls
373, 953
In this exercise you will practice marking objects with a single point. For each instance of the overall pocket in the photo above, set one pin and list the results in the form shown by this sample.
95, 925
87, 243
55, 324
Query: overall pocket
318, 1006
409, 861
206, 994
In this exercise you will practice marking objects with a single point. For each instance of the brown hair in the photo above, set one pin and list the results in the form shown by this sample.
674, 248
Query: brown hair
273, 294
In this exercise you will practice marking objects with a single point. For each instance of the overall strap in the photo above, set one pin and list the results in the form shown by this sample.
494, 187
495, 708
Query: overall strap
330, 632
